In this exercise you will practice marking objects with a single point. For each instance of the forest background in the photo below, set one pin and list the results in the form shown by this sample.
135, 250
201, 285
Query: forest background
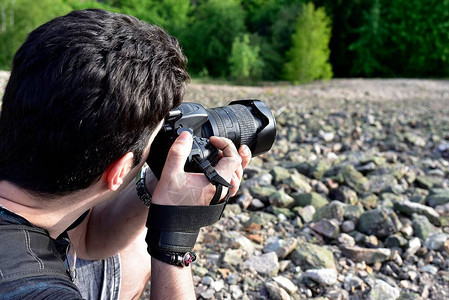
249, 41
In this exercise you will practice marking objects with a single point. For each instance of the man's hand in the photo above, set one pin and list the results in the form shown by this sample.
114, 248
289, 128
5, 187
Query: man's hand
177, 187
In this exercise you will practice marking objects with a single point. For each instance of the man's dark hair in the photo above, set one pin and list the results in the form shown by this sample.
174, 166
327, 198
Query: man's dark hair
85, 89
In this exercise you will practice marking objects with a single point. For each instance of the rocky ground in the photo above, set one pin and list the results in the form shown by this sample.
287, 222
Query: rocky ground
352, 202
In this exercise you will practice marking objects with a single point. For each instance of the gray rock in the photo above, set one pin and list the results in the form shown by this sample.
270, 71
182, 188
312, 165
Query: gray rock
257, 204
323, 276
276, 292
233, 257
306, 213
310, 256
281, 199
334, 210
382, 291
286, 284
379, 222
354, 179
429, 269
382, 182
346, 240
236, 291
246, 245
262, 192
413, 246
409, 208
218, 285
422, 227
352, 282
208, 294
395, 241
436, 241
298, 182
265, 264
438, 199
207, 280
344, 194
314, 199
368, 255
279, 174
348, 226
282, 247
327, 228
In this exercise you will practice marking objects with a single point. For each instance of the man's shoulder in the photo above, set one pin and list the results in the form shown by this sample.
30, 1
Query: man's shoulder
38, 287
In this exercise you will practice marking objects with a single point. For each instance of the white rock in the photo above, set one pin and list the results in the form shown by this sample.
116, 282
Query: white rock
286, 283
323, 276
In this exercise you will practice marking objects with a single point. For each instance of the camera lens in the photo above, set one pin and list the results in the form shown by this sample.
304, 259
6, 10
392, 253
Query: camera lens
244, 122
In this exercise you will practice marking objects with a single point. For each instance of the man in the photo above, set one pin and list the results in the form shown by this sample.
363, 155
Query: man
87, 94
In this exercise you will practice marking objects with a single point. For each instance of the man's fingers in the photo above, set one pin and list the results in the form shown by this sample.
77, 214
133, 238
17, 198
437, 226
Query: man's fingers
245, 153
178, 153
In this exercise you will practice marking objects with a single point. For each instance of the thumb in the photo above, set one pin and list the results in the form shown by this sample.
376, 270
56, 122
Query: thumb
178, 153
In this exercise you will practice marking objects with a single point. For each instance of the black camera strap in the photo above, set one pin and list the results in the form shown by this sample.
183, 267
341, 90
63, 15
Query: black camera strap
173, 230
213, 176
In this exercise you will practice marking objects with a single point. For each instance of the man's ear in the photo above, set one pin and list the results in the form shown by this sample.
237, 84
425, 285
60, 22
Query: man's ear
116, 172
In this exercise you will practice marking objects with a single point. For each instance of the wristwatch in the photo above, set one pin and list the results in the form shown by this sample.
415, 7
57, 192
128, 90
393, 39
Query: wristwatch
141, 188
175, 258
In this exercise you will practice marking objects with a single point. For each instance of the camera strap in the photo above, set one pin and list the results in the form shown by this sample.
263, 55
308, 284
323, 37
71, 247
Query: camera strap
213, 176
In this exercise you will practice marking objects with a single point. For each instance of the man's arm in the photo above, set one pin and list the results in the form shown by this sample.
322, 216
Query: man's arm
179, 188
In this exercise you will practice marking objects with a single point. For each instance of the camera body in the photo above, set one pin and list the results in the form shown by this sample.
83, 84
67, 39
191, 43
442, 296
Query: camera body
244, 122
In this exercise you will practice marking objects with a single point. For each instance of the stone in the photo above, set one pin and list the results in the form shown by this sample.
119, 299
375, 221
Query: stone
354, 179
409, 208
265, 264
279, 174
262, 192
352, 282
233, 257
380, 222
236, 291
422, 227
218, 285
334, 210
429, 269
367, 255
436, 241
320, 168
346, 240
382, 291
286, 213
298, 182
344, 194
306, 213
440, 198
208, 294
427, 182
281, 199
282, 247
413, 246
322, 276
256, 204
314, 199
327, 228
353, 212
395, 241
380, 183
310, 256
246, 245
348, 226
286, 284
276, 292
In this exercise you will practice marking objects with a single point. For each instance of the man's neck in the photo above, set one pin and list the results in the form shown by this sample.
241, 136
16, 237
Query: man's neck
54, 215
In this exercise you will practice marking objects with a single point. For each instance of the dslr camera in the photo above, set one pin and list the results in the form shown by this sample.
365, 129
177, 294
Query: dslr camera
244, 122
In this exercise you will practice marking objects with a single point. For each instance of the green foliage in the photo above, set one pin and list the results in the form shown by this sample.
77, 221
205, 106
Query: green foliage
209, 40
18, 18
172, 15
245, 63
418, 37
309, 55
368, 48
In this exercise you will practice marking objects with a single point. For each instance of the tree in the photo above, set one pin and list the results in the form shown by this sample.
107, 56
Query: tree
209, 40
308, 58
18, 18
245, 63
